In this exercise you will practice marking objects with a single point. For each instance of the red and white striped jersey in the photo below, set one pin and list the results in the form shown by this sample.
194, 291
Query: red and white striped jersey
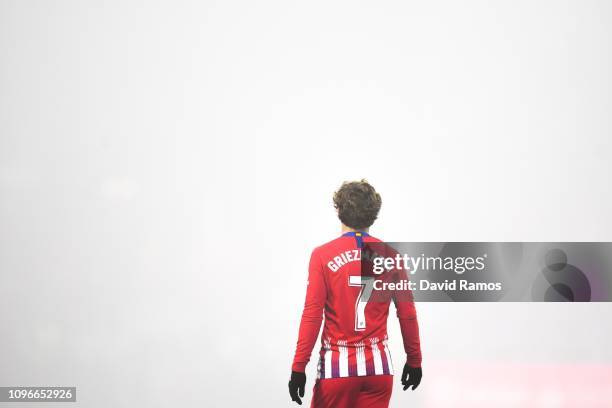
354, 339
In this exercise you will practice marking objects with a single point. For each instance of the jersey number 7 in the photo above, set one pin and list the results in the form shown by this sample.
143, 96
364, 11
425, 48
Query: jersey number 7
366, 283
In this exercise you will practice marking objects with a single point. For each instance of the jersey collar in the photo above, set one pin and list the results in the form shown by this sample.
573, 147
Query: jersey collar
355, 234
358, 237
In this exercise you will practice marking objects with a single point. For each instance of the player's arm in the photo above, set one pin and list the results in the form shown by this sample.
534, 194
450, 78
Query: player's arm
409, 325
312, 317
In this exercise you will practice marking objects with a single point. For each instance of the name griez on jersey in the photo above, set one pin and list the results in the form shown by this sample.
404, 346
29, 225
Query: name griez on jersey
352, 255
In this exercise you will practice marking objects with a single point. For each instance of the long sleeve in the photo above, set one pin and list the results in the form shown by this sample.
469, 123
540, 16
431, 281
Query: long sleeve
406, 313
312, 316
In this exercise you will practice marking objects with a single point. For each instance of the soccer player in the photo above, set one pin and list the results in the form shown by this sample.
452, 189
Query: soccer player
355, 367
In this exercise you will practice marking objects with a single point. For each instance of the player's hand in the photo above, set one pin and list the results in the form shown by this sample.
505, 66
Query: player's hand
411, 376
297, 383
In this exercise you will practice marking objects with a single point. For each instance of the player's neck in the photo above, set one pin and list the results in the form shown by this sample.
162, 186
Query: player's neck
346, 229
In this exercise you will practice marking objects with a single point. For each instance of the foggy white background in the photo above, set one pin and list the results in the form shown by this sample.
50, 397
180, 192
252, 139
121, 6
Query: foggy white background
167, 167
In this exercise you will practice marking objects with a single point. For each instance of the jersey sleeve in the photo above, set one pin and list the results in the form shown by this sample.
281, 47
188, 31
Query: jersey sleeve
312, 316
407, 316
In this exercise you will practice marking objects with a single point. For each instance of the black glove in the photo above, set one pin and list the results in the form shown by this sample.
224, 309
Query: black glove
411, 376
296, 386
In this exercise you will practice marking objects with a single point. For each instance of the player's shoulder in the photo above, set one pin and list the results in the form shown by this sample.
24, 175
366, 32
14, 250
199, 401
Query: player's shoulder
327, 246
370, 238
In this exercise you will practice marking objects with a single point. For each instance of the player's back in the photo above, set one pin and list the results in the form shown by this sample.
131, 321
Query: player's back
354, 339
